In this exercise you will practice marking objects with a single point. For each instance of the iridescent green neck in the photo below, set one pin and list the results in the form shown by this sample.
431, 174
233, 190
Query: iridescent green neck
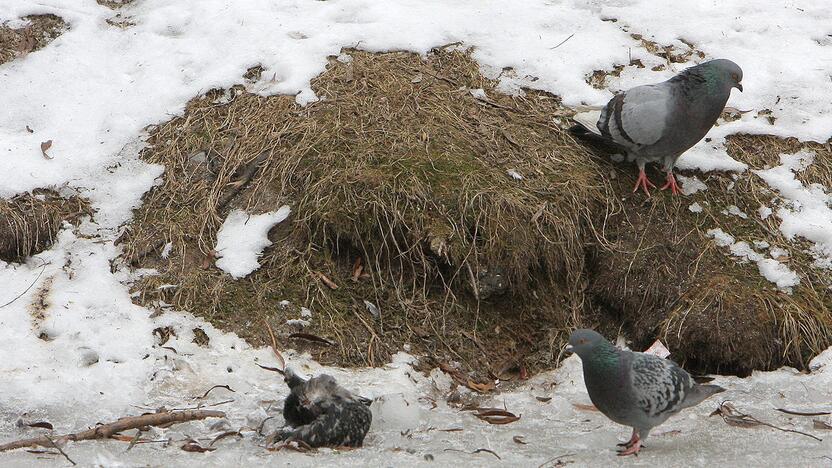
604, 356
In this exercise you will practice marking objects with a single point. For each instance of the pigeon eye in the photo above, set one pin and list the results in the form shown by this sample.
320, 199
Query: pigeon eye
734, 76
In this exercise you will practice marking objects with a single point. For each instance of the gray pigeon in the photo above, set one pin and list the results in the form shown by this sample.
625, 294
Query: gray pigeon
320, 413
634, 389
659, 122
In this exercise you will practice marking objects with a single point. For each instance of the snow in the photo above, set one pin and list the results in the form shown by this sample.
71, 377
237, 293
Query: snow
91, 355
734, 210
242, 238
806, 211
695, 207
691, 185
770, 268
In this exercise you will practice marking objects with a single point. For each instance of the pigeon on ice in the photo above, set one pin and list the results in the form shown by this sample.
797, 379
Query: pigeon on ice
634, 389
659, 122
321, 413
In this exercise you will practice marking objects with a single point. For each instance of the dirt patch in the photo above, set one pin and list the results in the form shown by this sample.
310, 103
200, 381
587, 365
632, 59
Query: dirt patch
432, 214
30, 222
39, 31
661, 275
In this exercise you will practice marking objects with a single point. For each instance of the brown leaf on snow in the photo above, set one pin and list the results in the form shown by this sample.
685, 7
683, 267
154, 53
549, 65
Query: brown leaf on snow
544, 399
518, 439
44, 147
480, 387
818, 424
193, 446
41, 425
496, 416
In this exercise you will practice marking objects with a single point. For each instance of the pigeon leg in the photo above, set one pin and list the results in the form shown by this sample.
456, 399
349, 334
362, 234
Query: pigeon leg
671, 184
632, 449
643, 182
630, 442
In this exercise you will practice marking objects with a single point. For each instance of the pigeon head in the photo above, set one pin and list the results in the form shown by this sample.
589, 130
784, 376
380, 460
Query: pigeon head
582, 342
724, 72
322, 391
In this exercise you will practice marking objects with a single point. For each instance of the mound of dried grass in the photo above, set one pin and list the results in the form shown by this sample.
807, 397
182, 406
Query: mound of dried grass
662, 276
399, 183
30, 222
41, 30
401, 166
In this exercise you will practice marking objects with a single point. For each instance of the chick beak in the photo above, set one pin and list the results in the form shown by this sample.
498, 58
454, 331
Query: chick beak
739, 86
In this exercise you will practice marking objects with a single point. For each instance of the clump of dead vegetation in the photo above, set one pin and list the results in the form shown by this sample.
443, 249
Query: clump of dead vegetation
29, 222
401, 185
660, 275
432, 213
39, 31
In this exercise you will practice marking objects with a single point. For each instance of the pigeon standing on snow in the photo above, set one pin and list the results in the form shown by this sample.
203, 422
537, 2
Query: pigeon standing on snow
320, 413
634, 389
659, 122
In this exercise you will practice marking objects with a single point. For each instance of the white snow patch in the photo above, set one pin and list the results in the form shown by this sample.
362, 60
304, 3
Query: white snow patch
305, 313
166, 250
734, 210
514, 174
479, 93
764, 212
806, 212
770, 268
691, 185
695, 207
298, 323
242, 238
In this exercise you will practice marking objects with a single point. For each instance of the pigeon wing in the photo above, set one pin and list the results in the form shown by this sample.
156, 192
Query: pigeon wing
659, 385
637, 117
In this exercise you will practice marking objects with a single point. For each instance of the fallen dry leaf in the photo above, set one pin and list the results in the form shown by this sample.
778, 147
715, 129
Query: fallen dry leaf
818, 424
44, 147
544, 399
357, 269
328, 282
193, 446
518, 439
496, 416
480, 387
41, 425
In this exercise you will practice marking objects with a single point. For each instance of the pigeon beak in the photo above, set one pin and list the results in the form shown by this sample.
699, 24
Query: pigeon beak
569, 349
739, 86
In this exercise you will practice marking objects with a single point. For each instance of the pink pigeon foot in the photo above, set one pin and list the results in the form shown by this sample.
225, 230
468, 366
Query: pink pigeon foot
643, 182
629, 443
632, 449
671, 184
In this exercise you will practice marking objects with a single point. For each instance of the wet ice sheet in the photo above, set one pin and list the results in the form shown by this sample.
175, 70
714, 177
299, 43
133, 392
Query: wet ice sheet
407, 430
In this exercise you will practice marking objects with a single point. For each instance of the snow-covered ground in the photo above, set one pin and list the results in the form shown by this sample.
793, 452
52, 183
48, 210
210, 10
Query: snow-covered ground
89, 354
